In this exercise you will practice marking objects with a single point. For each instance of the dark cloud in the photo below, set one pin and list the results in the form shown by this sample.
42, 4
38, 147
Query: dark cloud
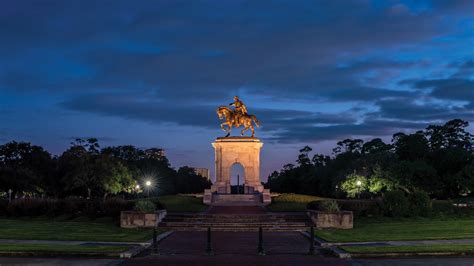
171, 61
368, 129
133, 107
269, 48
453, 89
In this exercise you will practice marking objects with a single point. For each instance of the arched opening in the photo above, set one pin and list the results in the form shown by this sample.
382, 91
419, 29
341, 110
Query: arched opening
237, 178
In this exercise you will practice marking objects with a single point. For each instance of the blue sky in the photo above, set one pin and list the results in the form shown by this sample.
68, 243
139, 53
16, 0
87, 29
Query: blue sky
151, 73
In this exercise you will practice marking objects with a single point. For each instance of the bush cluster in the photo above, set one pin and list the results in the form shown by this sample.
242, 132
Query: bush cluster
55, 207
145, 206
329, 206
397, 204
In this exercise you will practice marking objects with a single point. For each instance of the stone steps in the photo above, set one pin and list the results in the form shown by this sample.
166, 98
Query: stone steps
236, 222
237, 200
241, 229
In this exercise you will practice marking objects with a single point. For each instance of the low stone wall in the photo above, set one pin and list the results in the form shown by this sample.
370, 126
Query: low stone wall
207, 199
267, 198
327, 220
133, 219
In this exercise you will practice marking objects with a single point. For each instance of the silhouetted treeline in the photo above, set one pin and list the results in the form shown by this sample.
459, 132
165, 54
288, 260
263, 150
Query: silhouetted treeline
438, 160
86, 171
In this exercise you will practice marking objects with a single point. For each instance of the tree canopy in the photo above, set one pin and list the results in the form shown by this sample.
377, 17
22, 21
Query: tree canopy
438, 160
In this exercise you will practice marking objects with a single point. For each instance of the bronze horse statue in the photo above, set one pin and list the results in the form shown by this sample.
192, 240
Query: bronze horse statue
232, 119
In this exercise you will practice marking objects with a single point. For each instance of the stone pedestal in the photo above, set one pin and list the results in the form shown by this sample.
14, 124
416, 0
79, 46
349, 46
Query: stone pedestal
243, 150
232, 150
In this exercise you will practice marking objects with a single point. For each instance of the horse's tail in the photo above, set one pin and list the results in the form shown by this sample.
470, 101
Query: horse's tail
257, 122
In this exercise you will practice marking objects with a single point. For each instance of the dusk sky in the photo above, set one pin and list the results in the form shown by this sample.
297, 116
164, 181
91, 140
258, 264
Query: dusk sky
151, 73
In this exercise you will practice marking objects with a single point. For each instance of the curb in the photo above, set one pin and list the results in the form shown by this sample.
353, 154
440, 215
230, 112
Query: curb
412, 254
333, 250
58, 254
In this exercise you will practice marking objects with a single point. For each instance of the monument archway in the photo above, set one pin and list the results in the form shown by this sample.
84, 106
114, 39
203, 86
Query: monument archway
244, 151
237, 170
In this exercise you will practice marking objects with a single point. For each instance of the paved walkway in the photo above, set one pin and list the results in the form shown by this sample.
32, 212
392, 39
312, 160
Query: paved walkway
398, 243
234, 248
70, 243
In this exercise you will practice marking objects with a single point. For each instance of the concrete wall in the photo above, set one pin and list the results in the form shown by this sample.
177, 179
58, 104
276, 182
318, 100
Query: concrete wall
327, 220
133, 219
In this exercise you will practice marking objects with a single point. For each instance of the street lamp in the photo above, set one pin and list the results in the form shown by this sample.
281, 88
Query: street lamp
148, 185
359, 184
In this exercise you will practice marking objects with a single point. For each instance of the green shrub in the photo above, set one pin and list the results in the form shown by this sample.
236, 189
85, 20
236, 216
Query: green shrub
73, 207
313, 205
443, 207
145, 206
113, 206
395, 203
420, 203
158, 204
3, 206
28, 207
329, 206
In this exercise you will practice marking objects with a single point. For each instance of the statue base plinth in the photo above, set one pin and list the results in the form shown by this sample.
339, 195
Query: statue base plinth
244, 151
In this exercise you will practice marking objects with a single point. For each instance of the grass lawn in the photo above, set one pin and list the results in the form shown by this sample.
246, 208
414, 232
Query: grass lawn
380, 229
468, 248
81, 229
60, 248
180, 203
291, 202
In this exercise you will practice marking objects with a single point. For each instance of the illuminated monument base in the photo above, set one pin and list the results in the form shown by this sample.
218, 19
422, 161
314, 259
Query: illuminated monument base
244, 151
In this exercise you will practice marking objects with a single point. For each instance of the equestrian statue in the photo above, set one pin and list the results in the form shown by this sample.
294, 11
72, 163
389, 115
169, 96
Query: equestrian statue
237, 117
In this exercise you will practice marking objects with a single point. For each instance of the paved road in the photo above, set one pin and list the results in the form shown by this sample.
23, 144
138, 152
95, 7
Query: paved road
464, 261
236, 248
244, 260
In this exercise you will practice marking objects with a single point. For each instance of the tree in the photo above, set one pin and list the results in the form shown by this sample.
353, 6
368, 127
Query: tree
375, 146
349, 145
451, 135
24, 167
187, 181
354, 185
411, 147
303, 157
84, 171
381, 181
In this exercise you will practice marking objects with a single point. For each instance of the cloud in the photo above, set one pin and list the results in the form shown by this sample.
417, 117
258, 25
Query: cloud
172, 61
269, 48
451, 88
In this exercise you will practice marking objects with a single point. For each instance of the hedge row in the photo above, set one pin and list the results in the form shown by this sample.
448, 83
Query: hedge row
76, 207
399, 204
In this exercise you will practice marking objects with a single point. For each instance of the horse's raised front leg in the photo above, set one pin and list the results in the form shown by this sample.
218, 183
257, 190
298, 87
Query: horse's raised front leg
227, 129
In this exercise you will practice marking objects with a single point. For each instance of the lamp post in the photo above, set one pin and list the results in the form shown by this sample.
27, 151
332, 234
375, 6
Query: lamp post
359, 185
10, 195
148, 185
137, 189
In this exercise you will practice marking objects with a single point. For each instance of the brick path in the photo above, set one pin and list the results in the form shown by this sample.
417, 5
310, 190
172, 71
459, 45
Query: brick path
234, 248
236, 210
